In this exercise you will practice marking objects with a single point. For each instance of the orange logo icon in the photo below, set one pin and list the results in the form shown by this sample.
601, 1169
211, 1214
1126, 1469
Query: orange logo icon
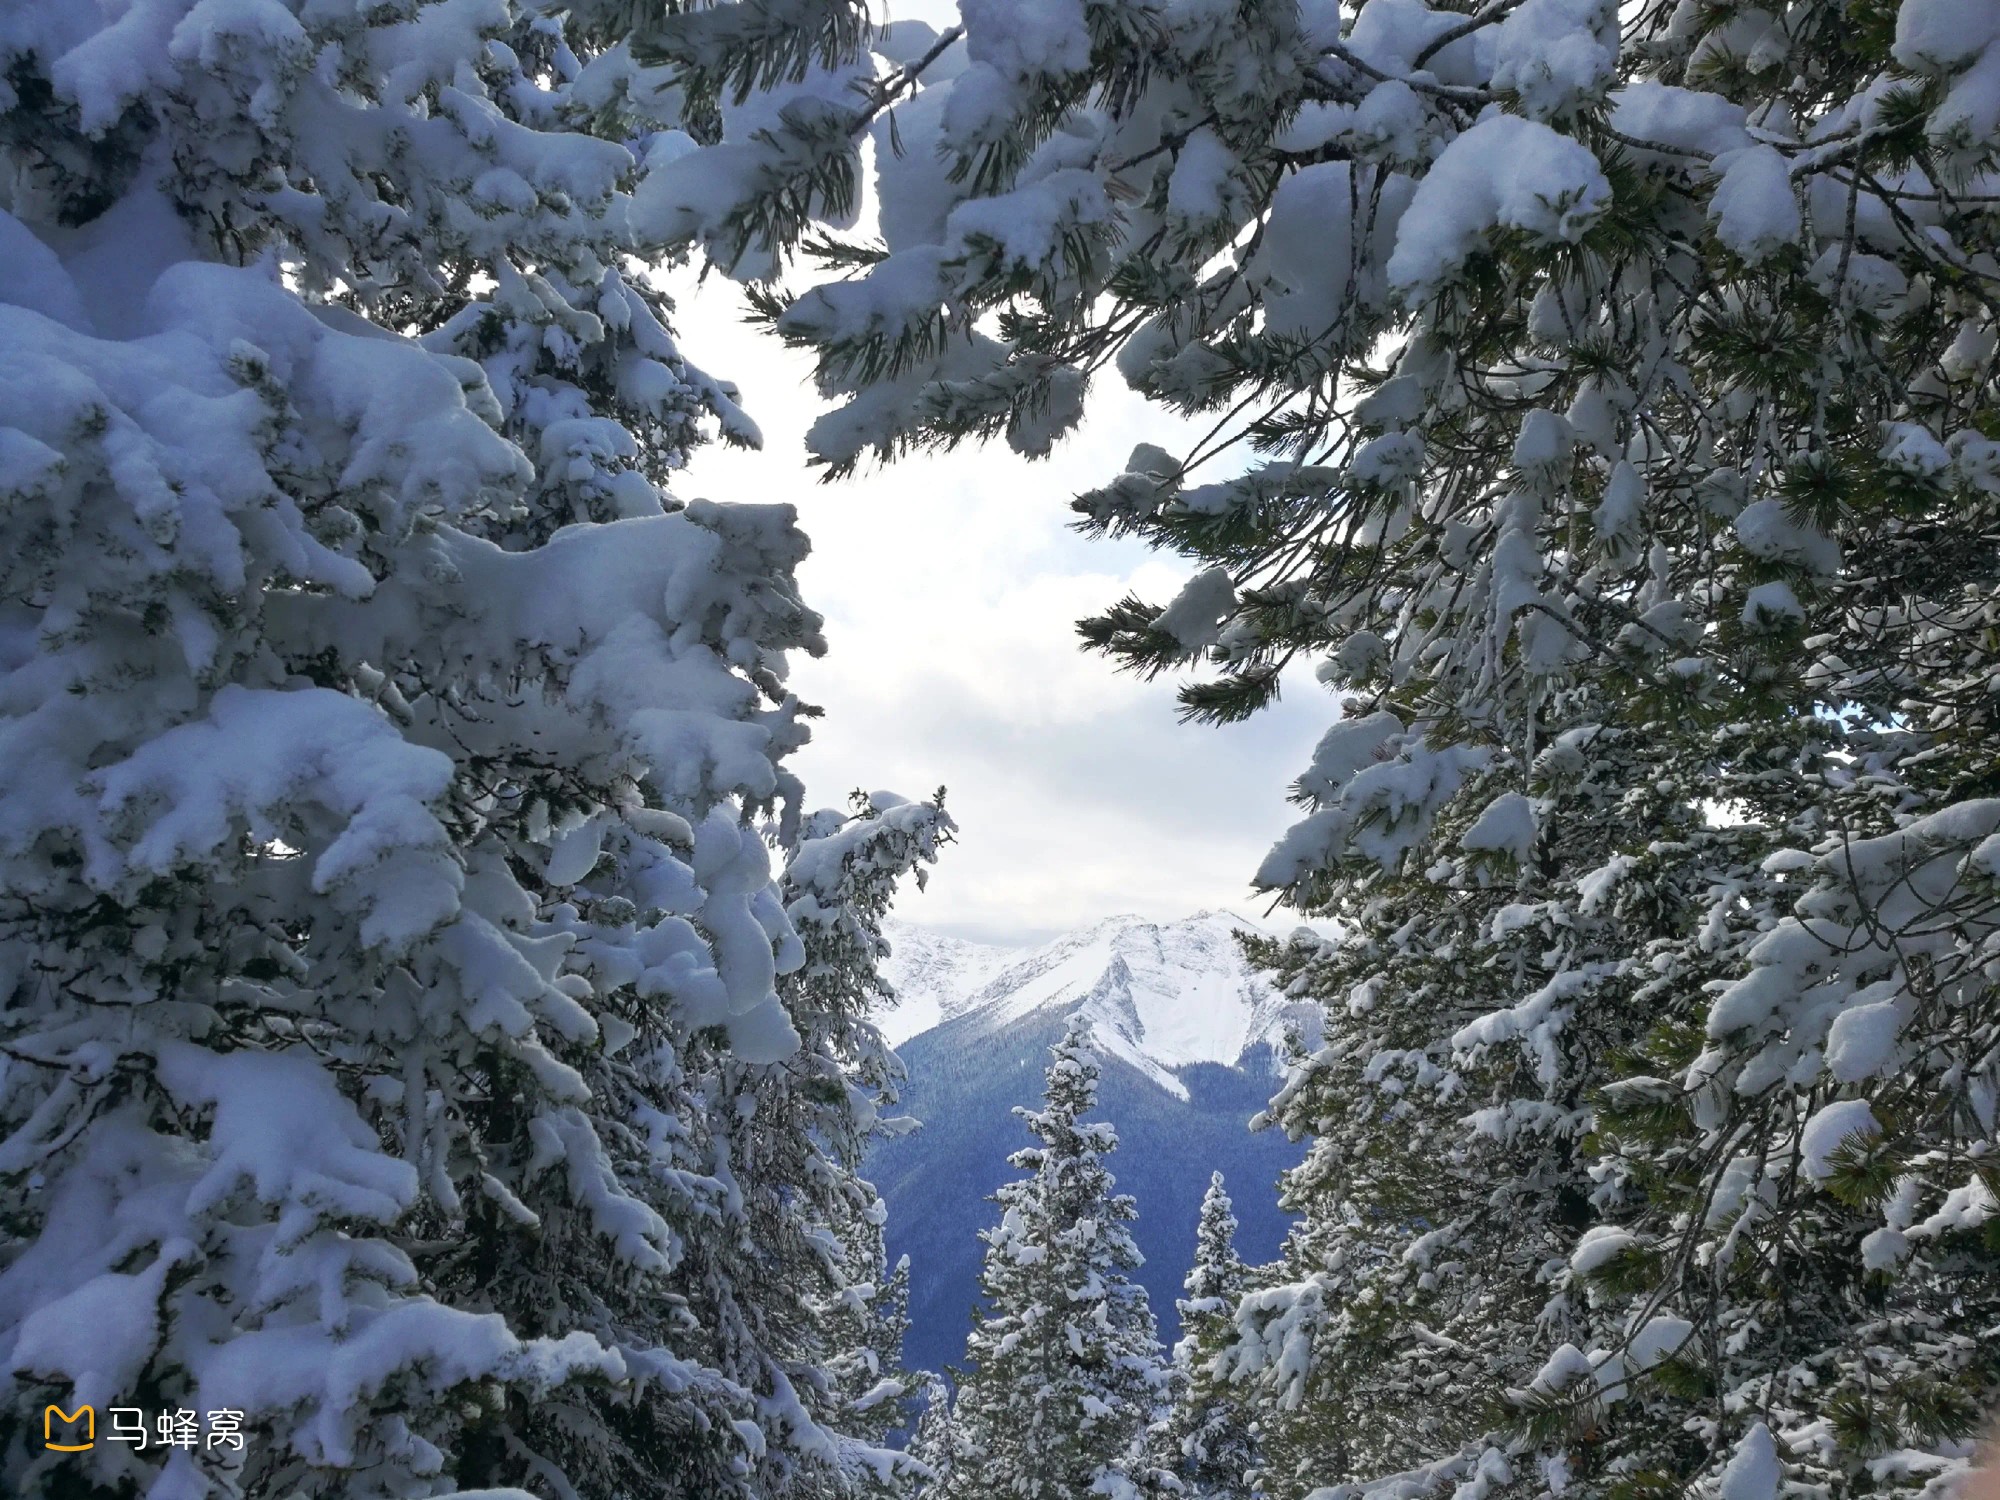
82, 1414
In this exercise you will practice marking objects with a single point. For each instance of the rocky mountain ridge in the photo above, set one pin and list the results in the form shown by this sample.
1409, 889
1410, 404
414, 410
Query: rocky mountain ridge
1159, 995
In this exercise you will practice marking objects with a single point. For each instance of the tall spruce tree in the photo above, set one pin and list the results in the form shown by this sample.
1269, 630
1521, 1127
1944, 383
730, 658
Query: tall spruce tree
406, 1043
1602, 399
1207, 1442
939, 1442
1063, 1359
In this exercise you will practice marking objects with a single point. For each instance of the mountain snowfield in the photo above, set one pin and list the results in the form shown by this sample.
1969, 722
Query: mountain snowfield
1189, 1036
936, 976
1159, 996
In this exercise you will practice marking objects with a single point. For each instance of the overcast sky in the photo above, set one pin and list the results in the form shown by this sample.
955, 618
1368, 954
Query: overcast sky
951, 585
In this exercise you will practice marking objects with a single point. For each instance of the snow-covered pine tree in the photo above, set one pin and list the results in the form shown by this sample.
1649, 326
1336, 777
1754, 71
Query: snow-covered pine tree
1063, 1359
1474, 1008
384, 907
815, 1292
877, 1388
939, 1442
1207, 1440
1574, 369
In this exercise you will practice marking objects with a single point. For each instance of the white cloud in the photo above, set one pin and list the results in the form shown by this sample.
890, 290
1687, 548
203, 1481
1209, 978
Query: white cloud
951, 585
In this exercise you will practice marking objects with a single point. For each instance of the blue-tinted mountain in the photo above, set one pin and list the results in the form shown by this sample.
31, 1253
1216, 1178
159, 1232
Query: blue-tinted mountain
1189, 1036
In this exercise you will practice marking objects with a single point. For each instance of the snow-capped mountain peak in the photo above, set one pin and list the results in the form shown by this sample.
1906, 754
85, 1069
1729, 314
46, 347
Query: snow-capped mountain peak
1159, 995
935, 976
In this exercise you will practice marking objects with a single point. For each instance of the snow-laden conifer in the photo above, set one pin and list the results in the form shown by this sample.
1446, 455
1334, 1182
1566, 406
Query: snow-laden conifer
939, 1442
1472, 1011
814, 1273
874, 1319
1600, 398
1207, 1441
1063, 1362
393, 956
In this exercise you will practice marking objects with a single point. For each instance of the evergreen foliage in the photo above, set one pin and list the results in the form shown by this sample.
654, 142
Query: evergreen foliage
406, 1039
406, 1042
939, 1441
964, 1080
829, 1280
1601, 399
1208, 1442
1063, 1361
